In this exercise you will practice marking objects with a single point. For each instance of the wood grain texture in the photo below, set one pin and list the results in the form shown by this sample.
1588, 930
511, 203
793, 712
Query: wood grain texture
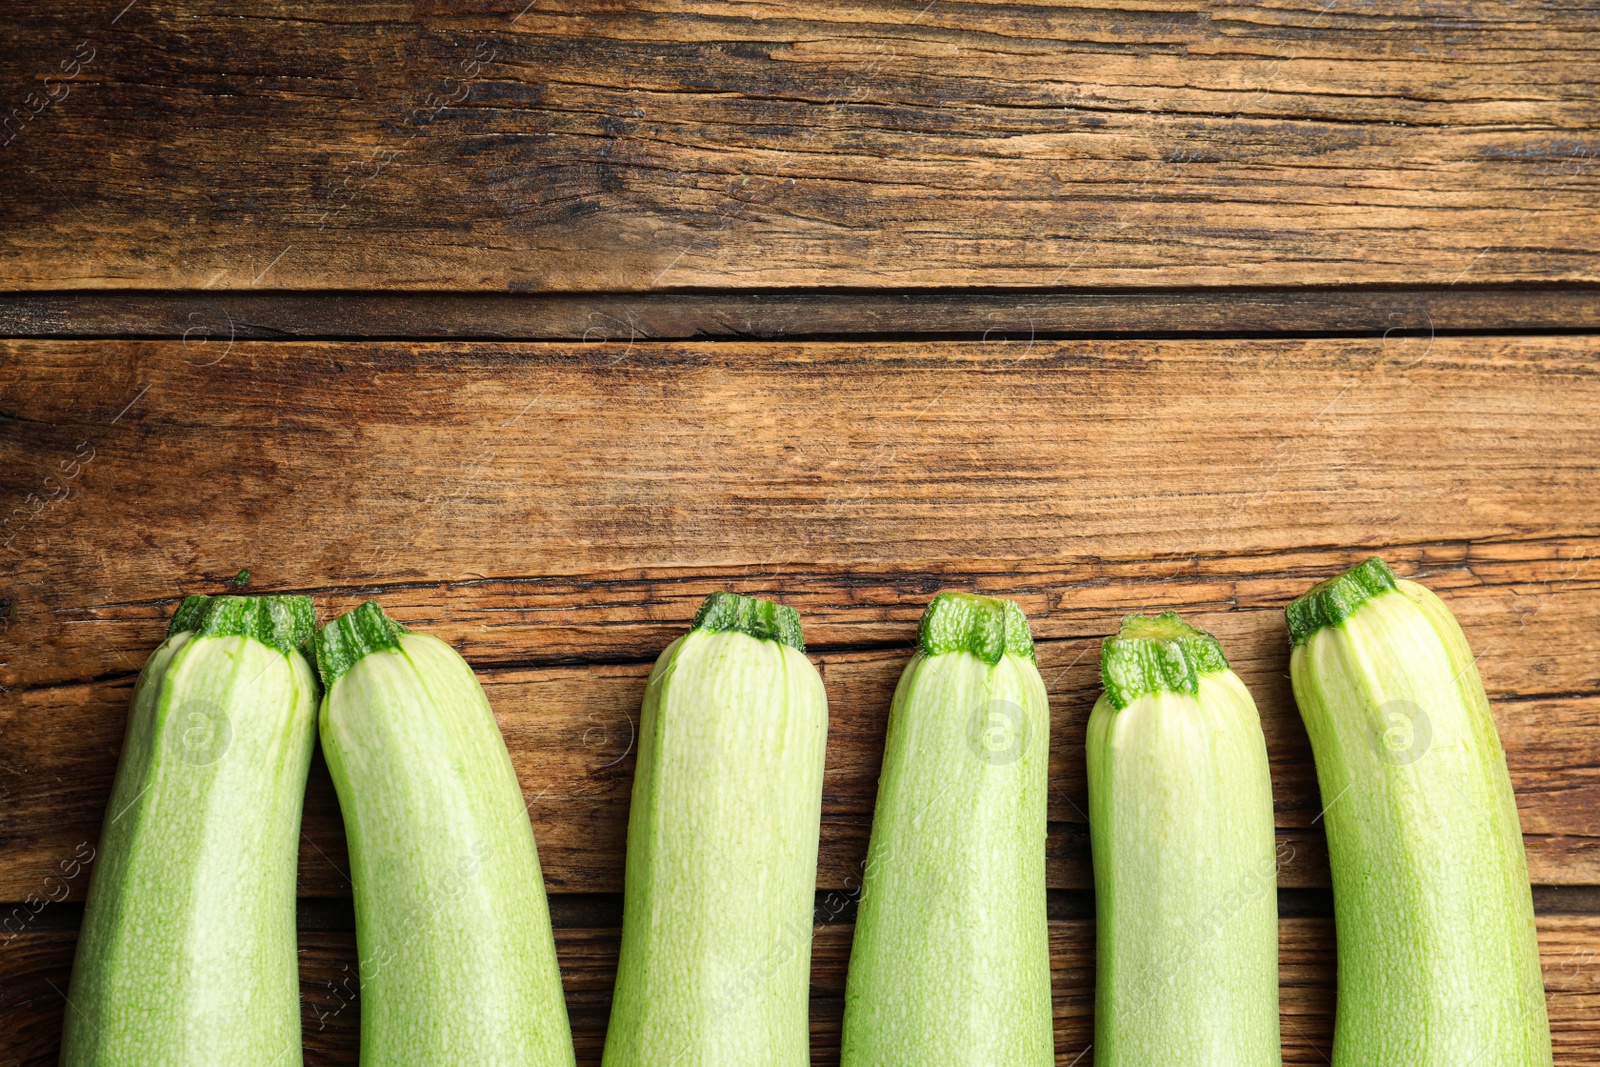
34, 968
200, 317
368, 465
558, 511
486, 145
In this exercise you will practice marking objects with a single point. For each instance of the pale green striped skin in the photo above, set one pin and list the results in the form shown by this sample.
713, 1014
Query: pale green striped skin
1185, 871
187, 956
722, 858
1438, 961
951, 960
457, 959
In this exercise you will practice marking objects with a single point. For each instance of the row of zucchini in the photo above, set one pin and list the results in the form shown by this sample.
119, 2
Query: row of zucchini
188, 950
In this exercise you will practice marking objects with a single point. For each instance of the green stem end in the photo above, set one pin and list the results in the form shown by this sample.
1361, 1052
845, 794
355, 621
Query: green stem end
765, 620
987, 627
280, 622
1331, 602
342, 642
1156, 655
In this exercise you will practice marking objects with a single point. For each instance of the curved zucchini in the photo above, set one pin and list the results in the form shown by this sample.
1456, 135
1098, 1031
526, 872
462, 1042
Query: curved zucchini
951, 961
1185, 871
188, 956
1438, 961
722, 848
458, 961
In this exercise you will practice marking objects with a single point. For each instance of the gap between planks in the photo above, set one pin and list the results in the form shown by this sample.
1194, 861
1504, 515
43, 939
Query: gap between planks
197, 316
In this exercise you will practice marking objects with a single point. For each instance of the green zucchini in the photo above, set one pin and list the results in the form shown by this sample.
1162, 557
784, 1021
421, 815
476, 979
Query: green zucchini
951, 961
457, 958
1438, 960
722, 848
1185, 867
187, 955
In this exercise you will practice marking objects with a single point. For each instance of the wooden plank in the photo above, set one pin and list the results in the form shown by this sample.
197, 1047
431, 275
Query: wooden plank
35, 968
487, 145
558, 517
384, 464
215, 318
553, 502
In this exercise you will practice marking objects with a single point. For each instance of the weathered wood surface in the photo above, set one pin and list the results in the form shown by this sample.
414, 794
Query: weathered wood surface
200, 317
558, 511
35, 967
492, 145
344, 466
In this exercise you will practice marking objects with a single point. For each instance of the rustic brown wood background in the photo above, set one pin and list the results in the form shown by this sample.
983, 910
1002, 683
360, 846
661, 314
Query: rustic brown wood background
540, 323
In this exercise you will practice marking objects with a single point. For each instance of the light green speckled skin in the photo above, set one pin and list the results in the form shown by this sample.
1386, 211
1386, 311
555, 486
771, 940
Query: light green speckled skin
457, 960
188, 954
951, 960
1438, 962
1185, 873
722, 859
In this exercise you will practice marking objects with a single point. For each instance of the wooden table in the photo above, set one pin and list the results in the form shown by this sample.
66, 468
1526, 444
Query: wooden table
540, 323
